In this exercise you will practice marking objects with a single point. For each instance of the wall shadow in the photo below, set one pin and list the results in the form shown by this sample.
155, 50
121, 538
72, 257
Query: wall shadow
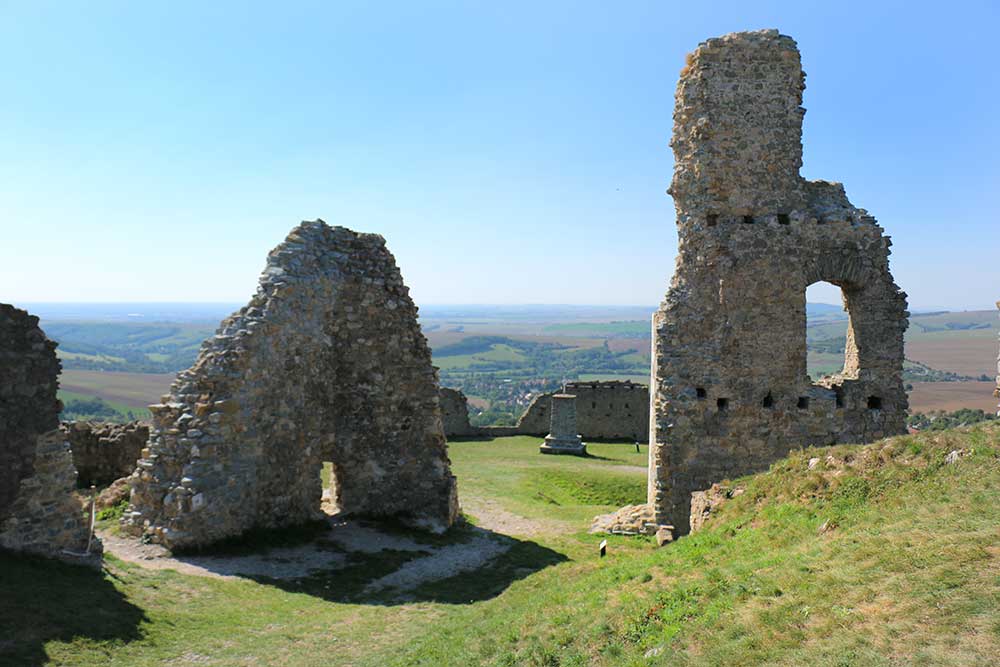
43, 600
342, 563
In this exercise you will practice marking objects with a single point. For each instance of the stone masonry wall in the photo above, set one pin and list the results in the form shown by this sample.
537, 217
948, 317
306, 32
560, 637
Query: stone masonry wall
326, 363
612, 410
38, 513
731, 393
455, 414
105, 451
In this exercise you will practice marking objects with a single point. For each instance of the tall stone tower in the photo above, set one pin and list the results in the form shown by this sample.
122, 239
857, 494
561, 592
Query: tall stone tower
729, 391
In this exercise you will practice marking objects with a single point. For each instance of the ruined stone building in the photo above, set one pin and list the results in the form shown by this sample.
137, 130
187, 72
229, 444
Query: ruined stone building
609, 410
325, 364
731, 393
38, 513
606, 410
105, 451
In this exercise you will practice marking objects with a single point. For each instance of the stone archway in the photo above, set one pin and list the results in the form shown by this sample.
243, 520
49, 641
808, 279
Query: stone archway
326, 363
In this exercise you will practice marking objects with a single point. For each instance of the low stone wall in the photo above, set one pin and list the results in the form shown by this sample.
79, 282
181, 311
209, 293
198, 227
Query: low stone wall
612, 410
104, 452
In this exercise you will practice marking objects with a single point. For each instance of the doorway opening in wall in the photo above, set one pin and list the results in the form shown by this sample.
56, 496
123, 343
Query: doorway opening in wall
827, 330
328, 475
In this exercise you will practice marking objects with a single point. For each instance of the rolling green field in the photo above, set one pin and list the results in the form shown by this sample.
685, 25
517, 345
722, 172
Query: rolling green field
886, 556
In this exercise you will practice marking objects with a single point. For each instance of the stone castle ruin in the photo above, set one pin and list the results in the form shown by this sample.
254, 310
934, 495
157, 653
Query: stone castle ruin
605, 410
730, 391
38, 513
325, 364
104, 451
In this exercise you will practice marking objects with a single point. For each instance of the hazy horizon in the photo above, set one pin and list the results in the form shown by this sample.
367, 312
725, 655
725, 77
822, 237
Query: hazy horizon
157, 153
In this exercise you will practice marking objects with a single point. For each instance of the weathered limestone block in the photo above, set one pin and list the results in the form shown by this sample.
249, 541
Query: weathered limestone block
629, 520
730, 390
105, 451
326, 363
38, 512
563, 438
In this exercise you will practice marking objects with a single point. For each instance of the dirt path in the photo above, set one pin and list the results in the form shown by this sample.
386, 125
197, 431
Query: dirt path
491, 516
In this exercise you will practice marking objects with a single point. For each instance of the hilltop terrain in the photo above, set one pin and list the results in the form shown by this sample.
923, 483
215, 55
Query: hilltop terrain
885, 554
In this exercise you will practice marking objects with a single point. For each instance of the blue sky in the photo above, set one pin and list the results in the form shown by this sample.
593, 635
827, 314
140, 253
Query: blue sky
510, 152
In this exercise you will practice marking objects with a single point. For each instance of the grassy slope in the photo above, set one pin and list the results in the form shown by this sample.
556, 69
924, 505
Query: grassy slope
909, 574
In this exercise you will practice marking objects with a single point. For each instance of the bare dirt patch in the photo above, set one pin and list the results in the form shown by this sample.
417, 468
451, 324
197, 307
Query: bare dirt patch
491, 516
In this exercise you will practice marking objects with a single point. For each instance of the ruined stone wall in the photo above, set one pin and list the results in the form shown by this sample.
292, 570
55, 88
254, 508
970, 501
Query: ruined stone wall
326, 363
731, 393
38, 513
105, 451
455, 414
610, 410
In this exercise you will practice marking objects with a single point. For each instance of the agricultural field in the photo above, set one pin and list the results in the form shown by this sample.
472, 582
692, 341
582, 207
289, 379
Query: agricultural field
501, 356
884, 555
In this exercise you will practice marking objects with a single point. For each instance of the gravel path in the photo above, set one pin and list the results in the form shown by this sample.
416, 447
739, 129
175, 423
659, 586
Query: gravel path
491, 516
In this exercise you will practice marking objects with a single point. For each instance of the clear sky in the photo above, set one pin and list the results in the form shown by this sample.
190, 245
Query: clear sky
510, 152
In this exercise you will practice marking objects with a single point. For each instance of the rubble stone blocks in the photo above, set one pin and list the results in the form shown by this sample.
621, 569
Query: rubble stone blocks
563, 438
105, 451
38, 512
730, 388
325, 363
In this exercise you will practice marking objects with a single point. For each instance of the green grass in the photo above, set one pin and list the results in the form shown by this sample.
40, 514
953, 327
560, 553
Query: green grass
907, 572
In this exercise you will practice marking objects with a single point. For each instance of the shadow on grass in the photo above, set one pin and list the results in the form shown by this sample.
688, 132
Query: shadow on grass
43, 600
467, 564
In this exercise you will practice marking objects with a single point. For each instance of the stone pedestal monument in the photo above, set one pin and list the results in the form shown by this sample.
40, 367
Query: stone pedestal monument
563, 438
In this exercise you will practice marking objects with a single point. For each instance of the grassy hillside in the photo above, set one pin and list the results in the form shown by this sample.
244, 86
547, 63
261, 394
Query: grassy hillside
880, 555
